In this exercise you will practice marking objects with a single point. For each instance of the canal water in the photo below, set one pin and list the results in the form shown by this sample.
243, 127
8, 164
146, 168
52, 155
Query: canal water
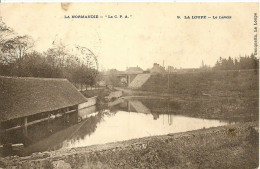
122, 120
128, 125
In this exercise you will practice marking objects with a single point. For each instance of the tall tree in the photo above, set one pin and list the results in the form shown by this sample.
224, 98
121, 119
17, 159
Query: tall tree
5, 33
16, 47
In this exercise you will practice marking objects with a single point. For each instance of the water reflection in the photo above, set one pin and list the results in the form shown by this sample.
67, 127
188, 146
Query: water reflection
128, 125
121, 120
49, 135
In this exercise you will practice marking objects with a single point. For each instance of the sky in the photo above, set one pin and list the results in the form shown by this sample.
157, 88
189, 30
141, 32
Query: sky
151, 34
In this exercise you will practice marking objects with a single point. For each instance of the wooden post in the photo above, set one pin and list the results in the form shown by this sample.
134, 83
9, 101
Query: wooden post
168, 81
128, 80
25, 126
128, 106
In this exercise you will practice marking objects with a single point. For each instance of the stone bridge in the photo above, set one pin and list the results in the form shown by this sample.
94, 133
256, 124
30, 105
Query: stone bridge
133, 80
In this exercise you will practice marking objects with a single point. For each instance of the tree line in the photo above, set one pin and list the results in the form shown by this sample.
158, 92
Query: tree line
18, 58
246, 62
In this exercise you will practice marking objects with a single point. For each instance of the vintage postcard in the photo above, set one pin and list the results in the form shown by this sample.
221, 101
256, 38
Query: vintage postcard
129, 85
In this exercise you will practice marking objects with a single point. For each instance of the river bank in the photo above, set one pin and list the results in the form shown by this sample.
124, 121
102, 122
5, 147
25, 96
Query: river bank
231, 107
233, 146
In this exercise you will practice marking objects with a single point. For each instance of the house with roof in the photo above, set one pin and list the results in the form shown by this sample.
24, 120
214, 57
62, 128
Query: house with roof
134, 70
157, 69
26, 101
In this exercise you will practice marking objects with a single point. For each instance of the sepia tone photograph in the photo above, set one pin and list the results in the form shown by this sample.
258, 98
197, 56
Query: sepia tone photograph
129, 85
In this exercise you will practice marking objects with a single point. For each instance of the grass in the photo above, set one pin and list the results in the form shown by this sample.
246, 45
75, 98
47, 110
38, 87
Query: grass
224, 95
96, 92
220, 83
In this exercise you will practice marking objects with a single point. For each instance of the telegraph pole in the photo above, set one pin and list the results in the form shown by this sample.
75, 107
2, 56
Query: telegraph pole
168, 79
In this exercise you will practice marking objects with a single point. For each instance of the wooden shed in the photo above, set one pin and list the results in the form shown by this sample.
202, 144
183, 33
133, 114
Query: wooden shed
25, 100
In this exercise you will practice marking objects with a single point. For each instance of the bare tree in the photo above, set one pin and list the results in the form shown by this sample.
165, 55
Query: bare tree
59, 53
12, 46
5, 33
16, 47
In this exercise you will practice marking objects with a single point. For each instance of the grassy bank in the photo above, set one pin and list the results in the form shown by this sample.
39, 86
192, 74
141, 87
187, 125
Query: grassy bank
100, 93
213, 83
227, 109
224, 95
234, 146
96, 92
